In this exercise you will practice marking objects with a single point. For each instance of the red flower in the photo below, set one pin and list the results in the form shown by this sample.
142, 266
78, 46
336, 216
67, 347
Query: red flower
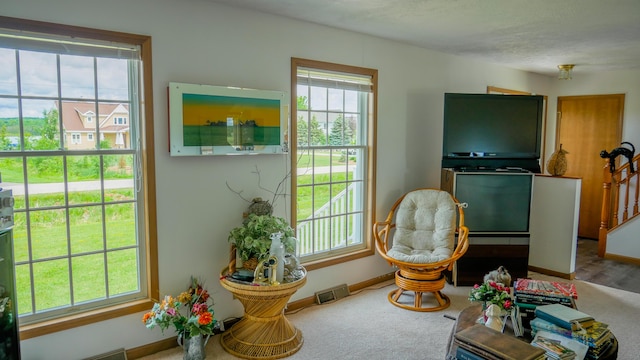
507, 304
205, 318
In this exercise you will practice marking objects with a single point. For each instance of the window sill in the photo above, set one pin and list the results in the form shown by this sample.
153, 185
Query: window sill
69, 322
338, 259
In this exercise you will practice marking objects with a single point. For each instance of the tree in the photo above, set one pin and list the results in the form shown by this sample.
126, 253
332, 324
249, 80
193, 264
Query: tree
50, 127
309, 133
5, 143
49, 134
341, 133
302, 103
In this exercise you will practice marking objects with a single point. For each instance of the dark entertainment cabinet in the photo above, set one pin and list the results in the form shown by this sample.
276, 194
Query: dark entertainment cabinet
499, 207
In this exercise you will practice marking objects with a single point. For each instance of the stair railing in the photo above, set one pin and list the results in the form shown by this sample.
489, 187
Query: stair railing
615, 200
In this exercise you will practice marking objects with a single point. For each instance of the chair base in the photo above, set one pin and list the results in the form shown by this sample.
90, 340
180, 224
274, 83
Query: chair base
418, 287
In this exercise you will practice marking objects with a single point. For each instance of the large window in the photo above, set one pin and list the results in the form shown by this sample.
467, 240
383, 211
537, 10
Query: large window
333, 128
84, 234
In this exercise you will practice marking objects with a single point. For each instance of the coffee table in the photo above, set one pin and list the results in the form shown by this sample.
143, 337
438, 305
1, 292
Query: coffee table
470, 315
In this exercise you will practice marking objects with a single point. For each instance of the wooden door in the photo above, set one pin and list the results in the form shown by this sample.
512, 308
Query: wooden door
587, 125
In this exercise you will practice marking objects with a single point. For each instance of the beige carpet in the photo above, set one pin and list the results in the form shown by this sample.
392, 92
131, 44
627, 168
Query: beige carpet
366, 326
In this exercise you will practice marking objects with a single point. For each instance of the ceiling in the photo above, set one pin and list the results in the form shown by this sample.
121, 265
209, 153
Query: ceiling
531, 35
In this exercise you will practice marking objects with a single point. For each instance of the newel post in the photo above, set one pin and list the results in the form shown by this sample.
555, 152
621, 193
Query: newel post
606, 210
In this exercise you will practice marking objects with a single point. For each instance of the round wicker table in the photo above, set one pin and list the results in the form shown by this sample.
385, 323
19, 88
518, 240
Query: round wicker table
263, 332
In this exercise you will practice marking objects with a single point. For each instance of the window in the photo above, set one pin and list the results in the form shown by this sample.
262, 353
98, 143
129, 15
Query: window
75, 138
334, 112
119, 120
89, 136
78, 251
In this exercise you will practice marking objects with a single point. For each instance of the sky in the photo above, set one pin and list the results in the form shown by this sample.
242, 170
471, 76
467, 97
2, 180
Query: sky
39, 73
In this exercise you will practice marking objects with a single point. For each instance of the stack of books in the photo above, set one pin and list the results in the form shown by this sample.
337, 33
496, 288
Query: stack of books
529, 293
479, 342
554, 349
571, 323
541, 292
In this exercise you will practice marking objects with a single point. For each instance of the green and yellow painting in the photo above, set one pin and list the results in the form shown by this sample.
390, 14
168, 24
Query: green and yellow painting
241, 122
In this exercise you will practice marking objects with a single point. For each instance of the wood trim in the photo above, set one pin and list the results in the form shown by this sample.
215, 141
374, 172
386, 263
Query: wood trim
569, 276
70, 30
371, 155
81, 319
149, 186
621, 258
150, 349
495, 89
311, 300
339, 259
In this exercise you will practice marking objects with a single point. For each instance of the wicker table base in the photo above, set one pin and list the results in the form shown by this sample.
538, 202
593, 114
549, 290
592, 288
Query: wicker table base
264, 332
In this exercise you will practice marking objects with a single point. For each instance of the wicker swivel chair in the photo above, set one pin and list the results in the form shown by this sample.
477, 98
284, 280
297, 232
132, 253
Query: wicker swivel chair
418, 237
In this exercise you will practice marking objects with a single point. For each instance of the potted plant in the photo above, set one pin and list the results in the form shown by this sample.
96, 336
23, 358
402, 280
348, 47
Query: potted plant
253, 238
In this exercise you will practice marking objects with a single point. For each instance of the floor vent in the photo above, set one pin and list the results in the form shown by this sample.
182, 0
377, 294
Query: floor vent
119, 354
332, 294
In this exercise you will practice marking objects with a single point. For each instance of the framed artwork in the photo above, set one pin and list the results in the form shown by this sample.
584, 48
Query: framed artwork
217, 120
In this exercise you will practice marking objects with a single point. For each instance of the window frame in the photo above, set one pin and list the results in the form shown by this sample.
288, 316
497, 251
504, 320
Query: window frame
371, 149
76, 138
148, 187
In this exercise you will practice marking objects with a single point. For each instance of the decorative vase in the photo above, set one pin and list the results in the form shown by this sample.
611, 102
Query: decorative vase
493, 315
557, 164
193, 346
483, 317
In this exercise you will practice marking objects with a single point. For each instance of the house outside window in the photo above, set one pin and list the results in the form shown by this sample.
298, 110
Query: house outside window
333, 150
80, 255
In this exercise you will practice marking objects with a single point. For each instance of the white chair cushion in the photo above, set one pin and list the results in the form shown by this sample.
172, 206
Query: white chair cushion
425, 227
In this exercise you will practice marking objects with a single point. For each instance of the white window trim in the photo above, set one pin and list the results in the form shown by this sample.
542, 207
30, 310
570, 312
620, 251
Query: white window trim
76, 138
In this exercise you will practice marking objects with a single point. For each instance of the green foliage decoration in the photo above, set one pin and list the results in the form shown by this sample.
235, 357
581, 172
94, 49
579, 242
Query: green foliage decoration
253, 237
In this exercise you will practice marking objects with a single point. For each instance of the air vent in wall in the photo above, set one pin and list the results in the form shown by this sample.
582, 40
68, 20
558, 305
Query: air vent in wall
332, 294
119, 354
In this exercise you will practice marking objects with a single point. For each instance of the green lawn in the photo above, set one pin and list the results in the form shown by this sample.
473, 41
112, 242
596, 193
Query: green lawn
86, 244
51, 275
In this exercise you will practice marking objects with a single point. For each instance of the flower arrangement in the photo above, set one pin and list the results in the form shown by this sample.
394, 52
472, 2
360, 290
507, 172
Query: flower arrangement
491, 292
199, 319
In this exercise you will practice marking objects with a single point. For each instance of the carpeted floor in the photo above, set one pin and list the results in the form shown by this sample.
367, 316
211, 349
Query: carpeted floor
366, 326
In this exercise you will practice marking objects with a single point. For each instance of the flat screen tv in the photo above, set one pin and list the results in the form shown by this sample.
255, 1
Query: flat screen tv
491, 130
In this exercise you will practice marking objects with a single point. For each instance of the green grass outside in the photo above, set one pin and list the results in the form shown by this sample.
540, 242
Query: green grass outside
51, 277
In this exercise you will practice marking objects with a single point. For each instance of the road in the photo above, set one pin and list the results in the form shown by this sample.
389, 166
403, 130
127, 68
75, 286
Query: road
48, 188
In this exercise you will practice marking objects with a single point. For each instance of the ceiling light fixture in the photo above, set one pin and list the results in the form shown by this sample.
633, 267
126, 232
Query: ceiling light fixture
565, 71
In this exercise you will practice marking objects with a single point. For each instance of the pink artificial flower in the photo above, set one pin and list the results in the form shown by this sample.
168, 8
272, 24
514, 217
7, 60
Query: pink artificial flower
199, 308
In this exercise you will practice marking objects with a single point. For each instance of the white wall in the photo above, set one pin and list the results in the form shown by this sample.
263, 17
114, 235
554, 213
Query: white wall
198, 42
614, 82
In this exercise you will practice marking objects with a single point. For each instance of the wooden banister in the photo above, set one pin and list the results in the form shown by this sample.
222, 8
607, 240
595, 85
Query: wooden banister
612, 216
